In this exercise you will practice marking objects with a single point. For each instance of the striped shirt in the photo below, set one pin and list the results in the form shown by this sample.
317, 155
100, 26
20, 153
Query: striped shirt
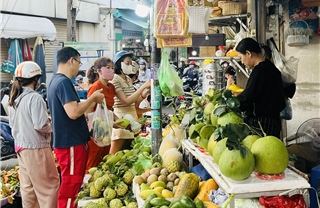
126, 86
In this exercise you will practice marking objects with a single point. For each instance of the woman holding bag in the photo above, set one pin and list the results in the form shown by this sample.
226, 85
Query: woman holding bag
104, 68
263, 98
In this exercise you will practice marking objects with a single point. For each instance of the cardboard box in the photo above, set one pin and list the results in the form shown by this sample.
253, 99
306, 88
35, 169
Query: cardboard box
310, 3
207, 51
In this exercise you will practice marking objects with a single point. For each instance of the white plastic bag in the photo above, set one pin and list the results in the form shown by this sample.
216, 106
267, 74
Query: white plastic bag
100, 125
288, 68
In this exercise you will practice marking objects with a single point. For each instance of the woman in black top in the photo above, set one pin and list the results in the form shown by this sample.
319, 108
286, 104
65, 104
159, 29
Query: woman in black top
263, 98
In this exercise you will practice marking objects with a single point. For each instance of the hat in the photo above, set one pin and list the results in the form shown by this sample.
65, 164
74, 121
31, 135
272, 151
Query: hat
121, 54
192, 63
142, 61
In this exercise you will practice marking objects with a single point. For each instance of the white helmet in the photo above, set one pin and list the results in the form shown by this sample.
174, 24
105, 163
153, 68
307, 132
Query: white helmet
27, 69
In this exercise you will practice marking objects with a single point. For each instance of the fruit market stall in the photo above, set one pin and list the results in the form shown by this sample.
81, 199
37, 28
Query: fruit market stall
252, 186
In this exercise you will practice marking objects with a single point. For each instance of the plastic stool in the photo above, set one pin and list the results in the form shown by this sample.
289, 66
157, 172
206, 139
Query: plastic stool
315, 183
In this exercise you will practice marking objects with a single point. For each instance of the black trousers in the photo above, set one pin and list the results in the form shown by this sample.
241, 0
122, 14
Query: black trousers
270, 126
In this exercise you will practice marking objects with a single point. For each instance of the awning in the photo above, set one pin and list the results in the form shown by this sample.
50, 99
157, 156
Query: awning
130, 16
18, 26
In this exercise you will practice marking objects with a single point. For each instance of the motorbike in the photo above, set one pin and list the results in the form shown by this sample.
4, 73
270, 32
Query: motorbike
4, 98
6, 139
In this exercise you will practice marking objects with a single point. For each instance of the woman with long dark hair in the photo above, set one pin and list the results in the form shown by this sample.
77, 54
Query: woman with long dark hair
31, 130
263, 98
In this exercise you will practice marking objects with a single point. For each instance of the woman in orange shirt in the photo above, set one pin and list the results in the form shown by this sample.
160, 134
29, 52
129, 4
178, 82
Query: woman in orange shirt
104, 67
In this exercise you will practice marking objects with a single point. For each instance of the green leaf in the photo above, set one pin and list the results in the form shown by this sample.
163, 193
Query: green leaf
193, 114
243, 151
227, 94
218, 134
220, 100
219, 111
233, 102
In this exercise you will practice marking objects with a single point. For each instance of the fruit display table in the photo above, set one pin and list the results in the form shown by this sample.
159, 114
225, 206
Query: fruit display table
251, 187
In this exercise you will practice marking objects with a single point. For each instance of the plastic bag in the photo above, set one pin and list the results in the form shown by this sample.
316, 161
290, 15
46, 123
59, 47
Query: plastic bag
286, 113
100, 125
288, 68
295, 201
170, 83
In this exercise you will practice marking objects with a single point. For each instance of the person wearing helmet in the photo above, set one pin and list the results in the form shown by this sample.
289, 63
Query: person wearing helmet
70, 128
183, 64
192, 73
31, 130
126, 98
144, 73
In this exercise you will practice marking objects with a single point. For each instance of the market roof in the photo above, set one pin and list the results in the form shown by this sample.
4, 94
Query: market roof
130, 16
19, 26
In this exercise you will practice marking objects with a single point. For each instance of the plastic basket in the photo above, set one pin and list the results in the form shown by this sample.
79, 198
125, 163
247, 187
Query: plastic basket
198, 18
230, 7
298, 33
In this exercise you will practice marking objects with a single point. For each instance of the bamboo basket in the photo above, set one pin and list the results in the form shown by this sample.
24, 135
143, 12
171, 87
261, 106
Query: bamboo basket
231, 7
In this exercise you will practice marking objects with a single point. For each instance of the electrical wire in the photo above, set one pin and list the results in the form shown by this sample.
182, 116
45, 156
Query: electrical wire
10, 14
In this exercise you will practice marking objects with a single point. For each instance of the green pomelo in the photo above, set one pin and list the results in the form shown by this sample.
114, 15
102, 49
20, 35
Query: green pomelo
198, 126
203, 143
214, 119
271, 155
211, 144
229, 117
249, 140
208, 109
124, 122
218, 149
206, 131
234, 166
206, 119
192, 133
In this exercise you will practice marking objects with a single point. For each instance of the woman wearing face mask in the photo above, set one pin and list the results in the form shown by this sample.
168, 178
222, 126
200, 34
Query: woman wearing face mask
126, 98
144, 73
103, 69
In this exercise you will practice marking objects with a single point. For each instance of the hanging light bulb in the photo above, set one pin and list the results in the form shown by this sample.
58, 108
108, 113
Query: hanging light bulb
194, 52
207, 37
142, 9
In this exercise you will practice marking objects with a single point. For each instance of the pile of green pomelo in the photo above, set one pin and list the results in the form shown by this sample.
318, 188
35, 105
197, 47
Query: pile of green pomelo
237, 159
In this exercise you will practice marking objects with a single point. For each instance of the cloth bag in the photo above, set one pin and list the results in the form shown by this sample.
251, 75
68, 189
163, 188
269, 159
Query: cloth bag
100, 125
14, 57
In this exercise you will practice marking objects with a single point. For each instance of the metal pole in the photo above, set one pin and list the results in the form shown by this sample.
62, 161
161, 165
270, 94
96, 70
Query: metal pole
156, 98
261, 15
71, 21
